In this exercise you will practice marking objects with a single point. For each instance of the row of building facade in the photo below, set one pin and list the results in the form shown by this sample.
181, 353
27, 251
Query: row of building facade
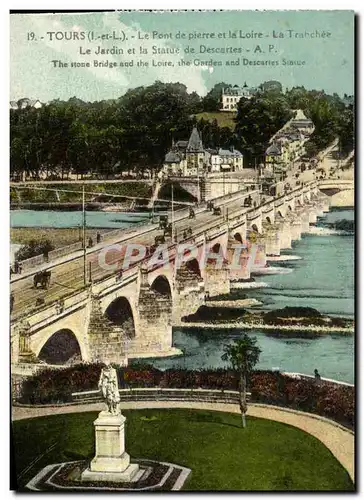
190, 158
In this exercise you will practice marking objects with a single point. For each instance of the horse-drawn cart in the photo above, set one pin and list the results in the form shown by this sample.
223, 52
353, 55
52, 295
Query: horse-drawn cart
43, 278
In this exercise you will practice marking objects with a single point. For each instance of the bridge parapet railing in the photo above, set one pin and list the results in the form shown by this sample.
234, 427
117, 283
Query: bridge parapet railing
279, 203
268, 207
253, 214
216, 231
35, 261
54, 309
61, 252
236, 195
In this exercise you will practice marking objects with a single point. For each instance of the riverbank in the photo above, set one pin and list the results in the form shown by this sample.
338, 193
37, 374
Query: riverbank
262, 326
58, 237
234, 304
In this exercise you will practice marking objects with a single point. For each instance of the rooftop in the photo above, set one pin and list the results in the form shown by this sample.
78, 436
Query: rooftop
172, 157
273, 150
195, 143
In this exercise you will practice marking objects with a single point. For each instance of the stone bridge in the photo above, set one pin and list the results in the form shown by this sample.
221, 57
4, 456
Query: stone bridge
341, 191
217, 185
131, 314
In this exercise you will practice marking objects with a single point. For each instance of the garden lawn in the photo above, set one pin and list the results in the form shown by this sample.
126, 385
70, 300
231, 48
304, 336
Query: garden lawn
267, 455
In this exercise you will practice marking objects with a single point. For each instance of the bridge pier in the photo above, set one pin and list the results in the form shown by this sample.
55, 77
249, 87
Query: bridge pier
153, 336
296, 229
106, 340
153, 325
189, 293
305, 220
217, 280
238, 257
272, 239
260, 259
285, 238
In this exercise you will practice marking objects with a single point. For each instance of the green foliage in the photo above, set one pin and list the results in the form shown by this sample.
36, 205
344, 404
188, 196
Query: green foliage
33, 248
258, 119
243, 354
136, 130
272, 86
212, 100
296, 311
225, 119
327, 399
306, 315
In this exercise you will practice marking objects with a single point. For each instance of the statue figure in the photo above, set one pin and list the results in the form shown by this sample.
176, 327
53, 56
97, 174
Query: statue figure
108, 384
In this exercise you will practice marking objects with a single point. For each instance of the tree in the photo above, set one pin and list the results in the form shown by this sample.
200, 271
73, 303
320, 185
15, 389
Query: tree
212, 100
243, 355
272, 86
258, 119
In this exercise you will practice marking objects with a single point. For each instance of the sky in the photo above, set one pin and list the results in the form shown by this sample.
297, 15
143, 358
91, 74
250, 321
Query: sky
261, 45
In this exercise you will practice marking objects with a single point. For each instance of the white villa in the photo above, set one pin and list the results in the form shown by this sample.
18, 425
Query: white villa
231, 96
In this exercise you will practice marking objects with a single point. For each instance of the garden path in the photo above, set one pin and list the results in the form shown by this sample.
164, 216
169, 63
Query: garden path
340, 441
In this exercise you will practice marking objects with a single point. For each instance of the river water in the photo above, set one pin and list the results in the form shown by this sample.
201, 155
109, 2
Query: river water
61, 219
323, 279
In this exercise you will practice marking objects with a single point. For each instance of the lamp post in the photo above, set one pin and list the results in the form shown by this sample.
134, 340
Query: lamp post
172, 213
84, 235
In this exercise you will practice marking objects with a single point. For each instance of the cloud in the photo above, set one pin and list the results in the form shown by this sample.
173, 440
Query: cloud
98, 79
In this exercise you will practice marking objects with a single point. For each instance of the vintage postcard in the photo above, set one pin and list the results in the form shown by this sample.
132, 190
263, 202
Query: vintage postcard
182, 251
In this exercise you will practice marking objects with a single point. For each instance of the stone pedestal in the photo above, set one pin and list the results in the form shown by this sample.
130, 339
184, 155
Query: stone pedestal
111, 462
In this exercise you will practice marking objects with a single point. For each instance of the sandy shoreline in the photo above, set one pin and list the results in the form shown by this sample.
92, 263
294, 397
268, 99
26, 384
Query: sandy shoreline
277, 328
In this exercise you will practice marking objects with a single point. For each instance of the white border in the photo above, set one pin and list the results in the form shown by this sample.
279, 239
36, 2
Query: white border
356, 5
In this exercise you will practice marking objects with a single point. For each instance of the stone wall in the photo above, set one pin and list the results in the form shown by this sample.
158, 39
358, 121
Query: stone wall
107, 341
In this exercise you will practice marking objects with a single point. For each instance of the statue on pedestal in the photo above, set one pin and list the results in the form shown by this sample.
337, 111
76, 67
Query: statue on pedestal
108, 384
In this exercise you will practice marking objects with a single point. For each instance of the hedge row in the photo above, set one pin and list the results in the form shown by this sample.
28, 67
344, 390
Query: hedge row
331, 400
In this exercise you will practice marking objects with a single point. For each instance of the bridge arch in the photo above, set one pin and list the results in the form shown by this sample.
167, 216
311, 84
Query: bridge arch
60, 348
120, 312
162, 286
254, 228
268, 219
238, 237
194, 267
289, 208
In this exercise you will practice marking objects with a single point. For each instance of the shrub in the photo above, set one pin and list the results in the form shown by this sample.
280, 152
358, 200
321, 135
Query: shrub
330, 400
33, 248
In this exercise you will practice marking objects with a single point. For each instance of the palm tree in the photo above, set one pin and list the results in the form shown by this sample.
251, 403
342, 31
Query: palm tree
243, 355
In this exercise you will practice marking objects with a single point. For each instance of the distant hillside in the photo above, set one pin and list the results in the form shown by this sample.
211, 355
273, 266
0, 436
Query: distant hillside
224, 119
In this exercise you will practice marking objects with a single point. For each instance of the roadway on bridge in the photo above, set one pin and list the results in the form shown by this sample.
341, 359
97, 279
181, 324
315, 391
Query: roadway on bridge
68, 277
